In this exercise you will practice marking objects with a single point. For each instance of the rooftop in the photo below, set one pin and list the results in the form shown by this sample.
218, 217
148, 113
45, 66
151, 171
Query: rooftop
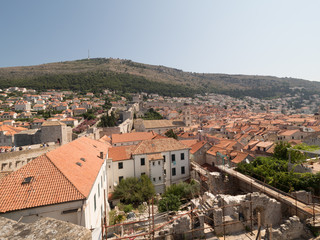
54, 177
132, 137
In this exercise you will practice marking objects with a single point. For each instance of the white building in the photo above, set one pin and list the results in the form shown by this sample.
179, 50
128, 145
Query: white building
22, 106
68, 183
165, 161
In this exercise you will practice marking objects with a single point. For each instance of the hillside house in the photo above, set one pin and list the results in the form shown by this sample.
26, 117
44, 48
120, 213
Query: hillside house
165, 161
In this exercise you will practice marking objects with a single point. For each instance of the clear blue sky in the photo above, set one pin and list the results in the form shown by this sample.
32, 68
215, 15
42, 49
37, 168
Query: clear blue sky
266, 37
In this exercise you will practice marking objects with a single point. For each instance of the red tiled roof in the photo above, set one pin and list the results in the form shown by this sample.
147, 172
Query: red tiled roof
11, 130
159, 145
56, 176
66, 156
48, 186
121, 153
197, 146
240, 157
190, 142
132, 137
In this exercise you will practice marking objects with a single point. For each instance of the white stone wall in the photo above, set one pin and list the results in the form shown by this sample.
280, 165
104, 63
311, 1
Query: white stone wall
53, 211
92, 213
125, 172
157, 175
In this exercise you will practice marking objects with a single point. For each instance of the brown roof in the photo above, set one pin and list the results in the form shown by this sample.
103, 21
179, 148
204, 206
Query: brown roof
121, 153
56, 176
197, 146
161, 123
159, 145
240, 157
132, 137
53, 123
48, 186
289, 132
10, 130
190, 142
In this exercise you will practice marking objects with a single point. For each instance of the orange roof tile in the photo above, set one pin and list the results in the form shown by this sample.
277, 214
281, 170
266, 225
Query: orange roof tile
240, 157
10, 130
159, 145
56, 176
132, 137
190, 142
66, 156
289, 132
197, 146
121, 153
48, 186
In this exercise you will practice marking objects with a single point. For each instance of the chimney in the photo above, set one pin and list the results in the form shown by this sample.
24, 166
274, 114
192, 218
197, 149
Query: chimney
101, 155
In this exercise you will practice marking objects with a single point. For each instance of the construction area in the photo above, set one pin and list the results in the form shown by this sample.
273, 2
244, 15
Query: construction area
231, 206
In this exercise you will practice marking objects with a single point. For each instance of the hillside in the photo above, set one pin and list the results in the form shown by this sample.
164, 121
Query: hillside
129, 76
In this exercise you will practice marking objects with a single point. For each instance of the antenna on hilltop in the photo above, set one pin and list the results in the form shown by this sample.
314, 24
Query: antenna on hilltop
88, 54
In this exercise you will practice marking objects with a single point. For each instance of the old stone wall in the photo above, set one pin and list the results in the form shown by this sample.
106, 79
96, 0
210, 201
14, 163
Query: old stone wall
291, 229
45, 228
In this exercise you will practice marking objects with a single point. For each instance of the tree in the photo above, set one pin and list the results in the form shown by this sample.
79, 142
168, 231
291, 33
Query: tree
171, 134
175, 194
169, 203
108, 121
151, 114
134, 190
281, 150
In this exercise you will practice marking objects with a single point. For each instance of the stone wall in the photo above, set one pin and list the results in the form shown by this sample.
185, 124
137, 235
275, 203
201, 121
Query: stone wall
291, 229
45, 228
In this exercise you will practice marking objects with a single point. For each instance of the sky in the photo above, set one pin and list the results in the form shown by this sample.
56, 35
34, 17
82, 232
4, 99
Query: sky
266, 37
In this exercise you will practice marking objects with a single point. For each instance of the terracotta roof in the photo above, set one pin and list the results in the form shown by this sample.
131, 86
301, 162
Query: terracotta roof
121, 153
48, 186
104, 139
56, 178
240, 157
213, 151
197, 146
10, 130
53, 123
132, 137
264, 144
66, 157
161, 123
190, 142
289, 132
159, 145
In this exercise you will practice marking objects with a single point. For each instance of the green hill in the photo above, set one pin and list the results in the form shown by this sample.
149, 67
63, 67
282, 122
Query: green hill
129, 76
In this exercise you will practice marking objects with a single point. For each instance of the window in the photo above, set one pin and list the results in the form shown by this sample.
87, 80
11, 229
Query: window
143, 173
183, 170
142, 160
164, 158
153, 163
173, 171
94, 202
120, 165
98, 190
154, 179
158, 162
182, 156
159, 178
173, 158
165, 172
120, 178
